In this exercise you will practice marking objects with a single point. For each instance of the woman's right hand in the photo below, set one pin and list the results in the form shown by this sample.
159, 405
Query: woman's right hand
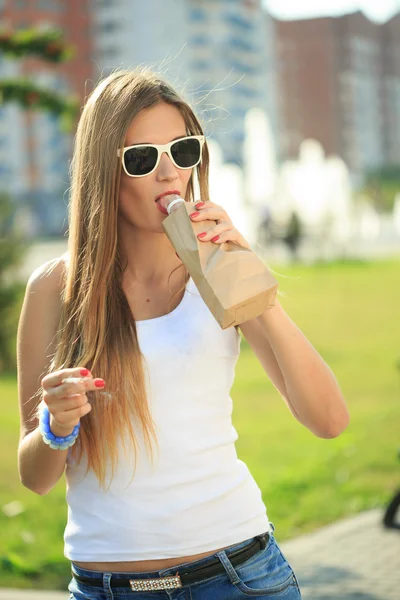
67, 401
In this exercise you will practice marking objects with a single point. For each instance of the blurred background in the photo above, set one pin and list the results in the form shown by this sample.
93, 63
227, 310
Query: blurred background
300, 103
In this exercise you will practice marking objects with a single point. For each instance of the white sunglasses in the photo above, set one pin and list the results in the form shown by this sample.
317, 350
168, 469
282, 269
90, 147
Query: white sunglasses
142, 159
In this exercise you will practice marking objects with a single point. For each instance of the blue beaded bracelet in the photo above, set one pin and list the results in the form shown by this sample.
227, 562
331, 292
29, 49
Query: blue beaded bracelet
55, 442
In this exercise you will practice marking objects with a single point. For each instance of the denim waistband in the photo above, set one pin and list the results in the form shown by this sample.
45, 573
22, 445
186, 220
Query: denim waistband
163, 572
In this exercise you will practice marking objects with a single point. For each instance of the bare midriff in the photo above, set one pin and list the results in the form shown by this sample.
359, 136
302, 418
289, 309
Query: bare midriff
139, 566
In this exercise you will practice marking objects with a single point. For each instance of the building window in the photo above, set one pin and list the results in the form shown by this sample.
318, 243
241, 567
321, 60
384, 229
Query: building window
104, 3
237, 112
245, 91
108, 27
200, 40
242, 45
198, 15
50, 5
240, 67
236, 20
201, 65
108, 53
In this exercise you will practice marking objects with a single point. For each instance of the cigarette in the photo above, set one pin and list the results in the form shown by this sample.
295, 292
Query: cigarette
108, 395
72, 380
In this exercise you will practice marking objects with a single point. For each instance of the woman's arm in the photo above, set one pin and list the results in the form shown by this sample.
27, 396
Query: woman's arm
299, 373
304, 380
40, 467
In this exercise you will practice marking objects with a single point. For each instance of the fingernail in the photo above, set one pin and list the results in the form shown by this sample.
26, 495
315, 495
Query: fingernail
201, 235
99, 383
195, 214
84, 372
200, 204
214, 239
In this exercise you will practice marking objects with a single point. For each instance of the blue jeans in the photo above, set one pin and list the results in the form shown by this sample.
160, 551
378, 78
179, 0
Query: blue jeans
266, 575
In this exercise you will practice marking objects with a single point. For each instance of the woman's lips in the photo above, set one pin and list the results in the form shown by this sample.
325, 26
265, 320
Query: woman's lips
161, 208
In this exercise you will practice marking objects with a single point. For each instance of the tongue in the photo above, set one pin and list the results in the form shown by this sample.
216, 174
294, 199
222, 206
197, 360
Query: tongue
165, 200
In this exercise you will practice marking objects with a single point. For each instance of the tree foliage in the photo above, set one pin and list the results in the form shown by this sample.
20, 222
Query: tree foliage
47, 45
13, 250
382, 185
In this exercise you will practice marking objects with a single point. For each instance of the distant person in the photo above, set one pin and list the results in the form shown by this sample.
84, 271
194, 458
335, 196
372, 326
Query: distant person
264, 227
293, 234
144, 360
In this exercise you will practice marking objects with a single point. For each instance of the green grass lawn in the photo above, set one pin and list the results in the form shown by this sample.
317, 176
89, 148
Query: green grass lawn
351, 314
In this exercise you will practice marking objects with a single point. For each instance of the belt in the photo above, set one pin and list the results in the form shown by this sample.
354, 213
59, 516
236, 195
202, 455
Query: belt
186, 576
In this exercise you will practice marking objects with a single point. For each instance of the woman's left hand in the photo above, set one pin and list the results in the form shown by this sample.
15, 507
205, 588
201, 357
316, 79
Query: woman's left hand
224, 230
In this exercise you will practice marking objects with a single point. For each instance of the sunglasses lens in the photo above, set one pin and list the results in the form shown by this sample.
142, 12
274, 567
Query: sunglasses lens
186, 153
140, 161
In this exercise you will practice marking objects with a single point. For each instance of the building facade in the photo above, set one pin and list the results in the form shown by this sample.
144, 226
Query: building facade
34, 151
334, 78
391, 89
232, 68
218, 54
127, 34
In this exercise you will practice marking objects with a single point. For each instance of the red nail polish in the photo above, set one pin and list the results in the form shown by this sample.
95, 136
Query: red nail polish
214, 239
201, 235
84, 372
195, 214
200, 204
99, 383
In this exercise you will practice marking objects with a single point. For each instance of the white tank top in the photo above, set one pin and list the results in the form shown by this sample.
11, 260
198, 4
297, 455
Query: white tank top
198, 496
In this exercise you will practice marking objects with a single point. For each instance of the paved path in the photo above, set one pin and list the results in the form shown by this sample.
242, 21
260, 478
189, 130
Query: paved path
353, 559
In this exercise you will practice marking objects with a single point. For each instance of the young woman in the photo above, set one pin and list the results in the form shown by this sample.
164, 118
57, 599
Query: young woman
134, 373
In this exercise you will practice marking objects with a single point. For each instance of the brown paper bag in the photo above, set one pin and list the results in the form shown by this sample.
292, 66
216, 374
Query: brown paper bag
232, 280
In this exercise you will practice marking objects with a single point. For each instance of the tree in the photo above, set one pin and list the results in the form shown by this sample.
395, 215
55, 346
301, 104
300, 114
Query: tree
382, 185
47, 45
12, 252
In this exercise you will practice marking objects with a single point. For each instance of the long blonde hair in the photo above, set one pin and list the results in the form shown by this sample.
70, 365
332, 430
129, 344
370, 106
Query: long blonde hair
97, 328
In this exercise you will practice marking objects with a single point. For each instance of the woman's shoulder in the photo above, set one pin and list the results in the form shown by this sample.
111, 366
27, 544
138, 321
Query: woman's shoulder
50, 274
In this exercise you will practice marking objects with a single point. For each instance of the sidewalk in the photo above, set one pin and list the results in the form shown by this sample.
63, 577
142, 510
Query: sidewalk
353, 559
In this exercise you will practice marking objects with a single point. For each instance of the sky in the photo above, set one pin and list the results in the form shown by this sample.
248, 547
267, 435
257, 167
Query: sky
376, 10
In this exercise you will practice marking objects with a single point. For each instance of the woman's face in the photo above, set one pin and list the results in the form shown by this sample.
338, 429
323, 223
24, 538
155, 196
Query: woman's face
158, 125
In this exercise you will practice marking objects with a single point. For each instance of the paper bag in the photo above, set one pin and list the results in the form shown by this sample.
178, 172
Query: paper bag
232, 280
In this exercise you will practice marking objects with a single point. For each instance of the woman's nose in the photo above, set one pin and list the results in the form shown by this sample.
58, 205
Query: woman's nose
166, 168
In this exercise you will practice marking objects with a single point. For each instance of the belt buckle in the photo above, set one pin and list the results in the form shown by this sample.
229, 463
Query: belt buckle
162, 583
